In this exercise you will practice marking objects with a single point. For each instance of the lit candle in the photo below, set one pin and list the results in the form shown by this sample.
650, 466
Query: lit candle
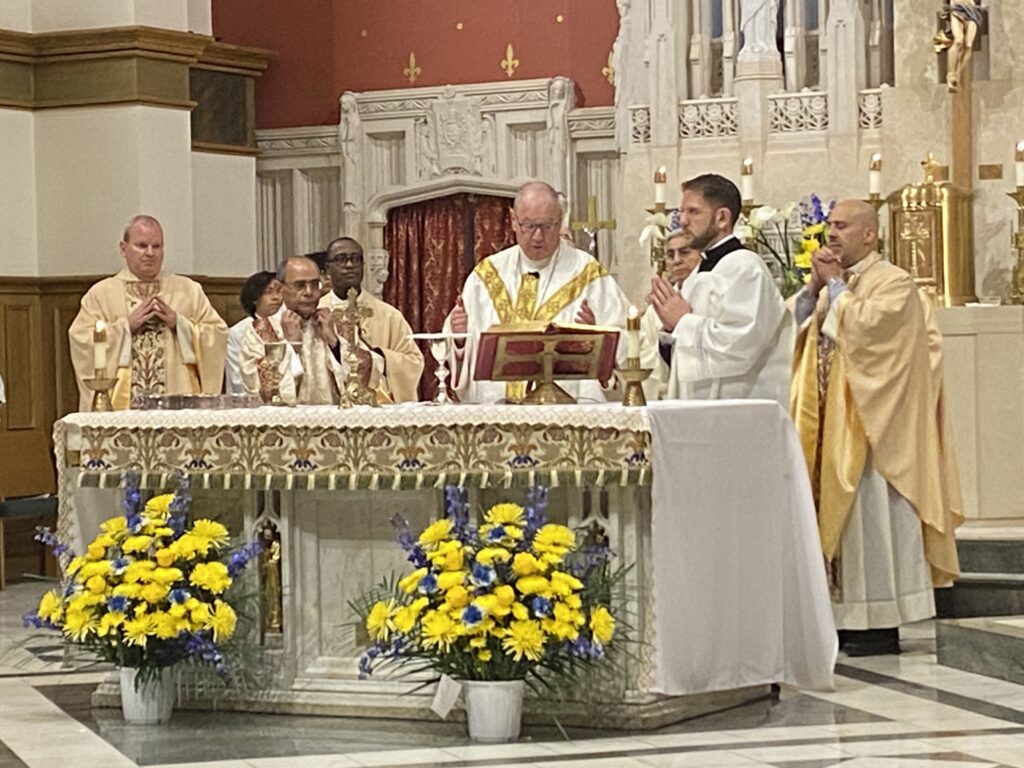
99, 347
747, 179
1020, 163
633, 334
875, 175
660, 177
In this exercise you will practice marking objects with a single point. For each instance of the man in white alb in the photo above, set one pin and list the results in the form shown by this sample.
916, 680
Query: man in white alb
729, 335
542, 277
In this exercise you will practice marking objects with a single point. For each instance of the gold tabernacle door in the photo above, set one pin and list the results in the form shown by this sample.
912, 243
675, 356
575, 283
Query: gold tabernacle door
540, 352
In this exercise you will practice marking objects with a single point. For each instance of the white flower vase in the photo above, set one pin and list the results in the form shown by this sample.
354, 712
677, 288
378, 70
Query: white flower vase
494, 709
152, 702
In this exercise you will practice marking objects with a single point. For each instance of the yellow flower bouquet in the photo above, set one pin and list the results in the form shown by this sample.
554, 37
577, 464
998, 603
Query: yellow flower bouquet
513, 598
150, 591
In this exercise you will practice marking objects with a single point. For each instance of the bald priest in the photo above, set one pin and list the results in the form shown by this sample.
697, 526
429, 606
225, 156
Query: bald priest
154, 332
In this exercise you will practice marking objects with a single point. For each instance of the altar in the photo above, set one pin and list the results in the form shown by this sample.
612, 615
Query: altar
709, 502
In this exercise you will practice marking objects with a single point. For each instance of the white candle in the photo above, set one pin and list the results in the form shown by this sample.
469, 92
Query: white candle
660, 177
633, 334
1019, 156
99, 347
747, 179
875, 175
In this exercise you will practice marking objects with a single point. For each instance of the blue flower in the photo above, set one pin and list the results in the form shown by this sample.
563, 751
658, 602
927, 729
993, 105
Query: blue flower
471, 615
482, 575
118, 565
497, 533
428, 584
120, 604
179, 595
541, 606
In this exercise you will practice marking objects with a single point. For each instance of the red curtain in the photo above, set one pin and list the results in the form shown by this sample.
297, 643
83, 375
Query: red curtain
428, 243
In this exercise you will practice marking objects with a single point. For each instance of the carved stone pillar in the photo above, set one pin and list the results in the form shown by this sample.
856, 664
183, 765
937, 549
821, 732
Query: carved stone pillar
795, 45
847, 64
664, 95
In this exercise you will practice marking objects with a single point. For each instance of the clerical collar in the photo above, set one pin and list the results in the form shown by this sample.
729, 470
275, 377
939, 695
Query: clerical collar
531, 265
713, 255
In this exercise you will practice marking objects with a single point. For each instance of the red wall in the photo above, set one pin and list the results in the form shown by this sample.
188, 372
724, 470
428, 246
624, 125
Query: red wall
326, 47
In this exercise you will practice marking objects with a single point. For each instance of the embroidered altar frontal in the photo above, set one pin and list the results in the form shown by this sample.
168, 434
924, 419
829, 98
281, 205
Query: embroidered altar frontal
396, 448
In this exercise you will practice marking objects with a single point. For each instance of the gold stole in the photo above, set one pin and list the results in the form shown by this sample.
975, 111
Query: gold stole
835, 449
525, 308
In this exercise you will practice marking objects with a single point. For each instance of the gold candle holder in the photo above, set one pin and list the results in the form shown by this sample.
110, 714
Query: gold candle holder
875, 200
1016, 290
100, 386
633, 378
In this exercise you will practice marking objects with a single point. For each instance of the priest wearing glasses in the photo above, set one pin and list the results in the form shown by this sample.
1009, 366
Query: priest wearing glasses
541, 278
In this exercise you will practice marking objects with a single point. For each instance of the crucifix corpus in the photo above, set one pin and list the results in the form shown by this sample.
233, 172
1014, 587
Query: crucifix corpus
592, 226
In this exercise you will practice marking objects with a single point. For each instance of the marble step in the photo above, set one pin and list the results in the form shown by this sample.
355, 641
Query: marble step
991, 556
986, 646
982, 594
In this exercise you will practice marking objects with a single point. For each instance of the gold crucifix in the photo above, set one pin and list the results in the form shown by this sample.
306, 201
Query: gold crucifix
917, 234
592, 225
347, 323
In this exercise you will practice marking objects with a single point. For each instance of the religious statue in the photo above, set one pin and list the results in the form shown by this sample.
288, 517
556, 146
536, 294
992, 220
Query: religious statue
558, 129
428, 166
757, 22
963, 18
349, 137
270, 576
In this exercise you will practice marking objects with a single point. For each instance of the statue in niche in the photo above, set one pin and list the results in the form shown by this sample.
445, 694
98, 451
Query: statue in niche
428, 168
558, 128
484, 150
349, 136
963, 19
757, 22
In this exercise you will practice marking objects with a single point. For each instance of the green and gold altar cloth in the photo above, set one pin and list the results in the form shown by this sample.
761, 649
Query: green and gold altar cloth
323, 447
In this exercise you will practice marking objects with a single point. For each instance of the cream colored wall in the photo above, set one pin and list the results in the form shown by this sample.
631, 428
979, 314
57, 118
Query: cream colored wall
18, 252
200, 19
224, 209
16, 15
98, 166
54, 15
983, 355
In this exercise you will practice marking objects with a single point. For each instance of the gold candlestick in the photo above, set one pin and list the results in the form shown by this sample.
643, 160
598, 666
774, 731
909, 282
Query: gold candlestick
1016, 290
100, 386
633, 377
875, 200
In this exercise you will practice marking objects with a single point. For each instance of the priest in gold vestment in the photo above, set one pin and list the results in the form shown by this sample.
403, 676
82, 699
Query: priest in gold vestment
385, 331
160, 335
869, 405
541, 278
312, 370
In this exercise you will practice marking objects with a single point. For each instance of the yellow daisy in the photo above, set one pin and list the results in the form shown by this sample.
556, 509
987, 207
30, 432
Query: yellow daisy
380, 623
602, 624
211, 576
436, 532
222, 621
524, 638
505, 514
439, 630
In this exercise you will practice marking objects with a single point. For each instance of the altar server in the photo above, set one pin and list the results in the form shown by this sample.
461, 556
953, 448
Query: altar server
868, 402
728, 334
154, 332
542, 277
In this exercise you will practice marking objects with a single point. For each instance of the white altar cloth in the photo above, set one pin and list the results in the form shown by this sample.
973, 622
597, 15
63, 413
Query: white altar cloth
741, 596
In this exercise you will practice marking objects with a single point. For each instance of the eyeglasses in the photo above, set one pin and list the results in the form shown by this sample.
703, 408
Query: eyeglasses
345, 258
305, 285
543, 227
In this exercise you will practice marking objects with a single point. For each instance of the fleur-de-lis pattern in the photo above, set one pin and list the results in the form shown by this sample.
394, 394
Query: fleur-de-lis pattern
412, 71
510, 63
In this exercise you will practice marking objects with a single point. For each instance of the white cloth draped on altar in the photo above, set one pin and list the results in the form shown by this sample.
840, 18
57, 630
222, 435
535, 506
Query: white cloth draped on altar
742, 597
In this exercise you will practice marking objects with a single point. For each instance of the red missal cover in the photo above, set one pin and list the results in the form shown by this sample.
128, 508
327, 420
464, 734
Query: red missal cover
513, 352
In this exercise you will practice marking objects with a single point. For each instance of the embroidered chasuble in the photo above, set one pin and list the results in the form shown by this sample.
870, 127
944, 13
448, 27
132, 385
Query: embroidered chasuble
155, 360
309, 372
507, 287
386, 333
868, 395
738, 340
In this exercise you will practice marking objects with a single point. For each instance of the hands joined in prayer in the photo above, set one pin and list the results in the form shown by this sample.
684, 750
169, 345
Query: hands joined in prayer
152, 311
667, 303
323, 324
291, 326
824, 266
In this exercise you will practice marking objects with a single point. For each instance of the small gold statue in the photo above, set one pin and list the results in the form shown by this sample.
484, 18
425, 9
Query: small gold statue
270, 575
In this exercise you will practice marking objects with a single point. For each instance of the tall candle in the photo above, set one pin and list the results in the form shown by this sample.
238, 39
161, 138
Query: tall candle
99, 347
747, 179
660, 177
633, 334
1019, 156
875, 175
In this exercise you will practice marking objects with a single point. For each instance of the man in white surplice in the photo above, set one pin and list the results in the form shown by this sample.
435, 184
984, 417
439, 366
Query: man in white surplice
542, 277
728, 334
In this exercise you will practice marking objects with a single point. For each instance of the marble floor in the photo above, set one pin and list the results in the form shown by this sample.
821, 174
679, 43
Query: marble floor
904, 712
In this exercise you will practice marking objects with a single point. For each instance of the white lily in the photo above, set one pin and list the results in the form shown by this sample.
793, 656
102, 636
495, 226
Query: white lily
657, 226
762, 215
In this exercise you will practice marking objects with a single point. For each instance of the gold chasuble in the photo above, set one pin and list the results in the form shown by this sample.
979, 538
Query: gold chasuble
154, 360
878, 390
526, 308
507, 287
